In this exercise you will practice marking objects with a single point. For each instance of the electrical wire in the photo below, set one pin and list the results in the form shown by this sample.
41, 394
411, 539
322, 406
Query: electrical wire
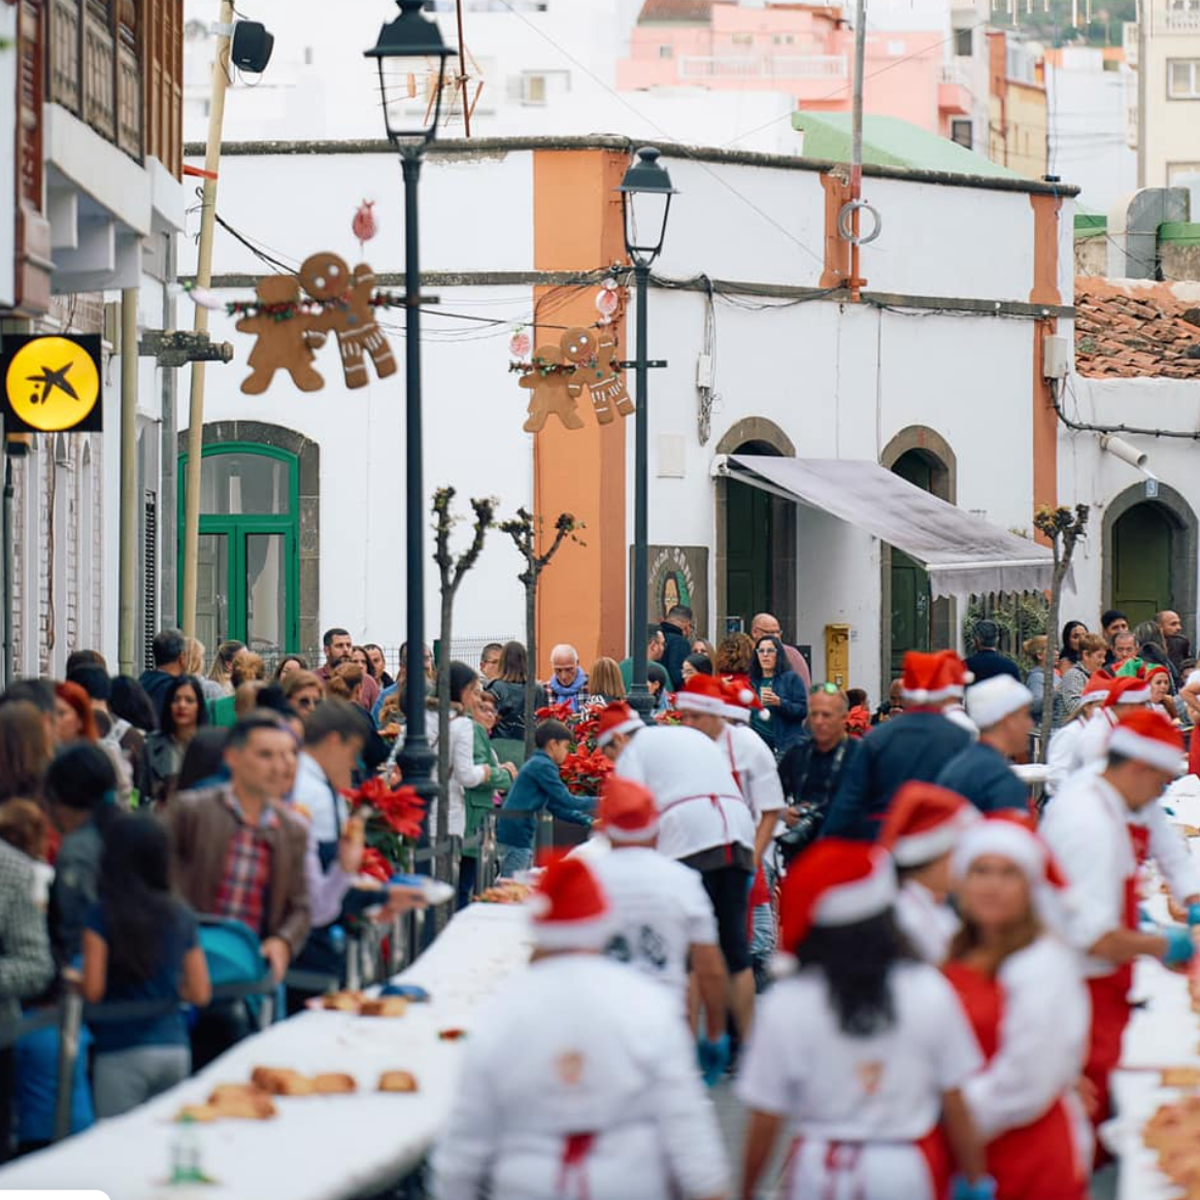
1086, 427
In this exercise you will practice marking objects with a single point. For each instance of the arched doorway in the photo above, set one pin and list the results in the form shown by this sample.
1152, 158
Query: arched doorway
1150, 555
756, 538
912, 618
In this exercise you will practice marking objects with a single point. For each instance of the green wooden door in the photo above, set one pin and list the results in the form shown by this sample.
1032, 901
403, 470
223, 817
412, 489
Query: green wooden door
248, 577
748, 552
912, 599
1141, 547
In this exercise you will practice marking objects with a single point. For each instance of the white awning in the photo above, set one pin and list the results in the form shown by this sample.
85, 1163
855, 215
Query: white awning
962, 554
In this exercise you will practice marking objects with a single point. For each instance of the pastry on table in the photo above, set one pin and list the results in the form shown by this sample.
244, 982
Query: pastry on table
198, 1112
281, 1081
397, 1081
334, 1083
233, 1100
342, 1001
383, 1006
1181, 1077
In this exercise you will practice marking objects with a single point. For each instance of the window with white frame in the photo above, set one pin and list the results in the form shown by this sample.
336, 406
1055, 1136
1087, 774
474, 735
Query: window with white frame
1183, 78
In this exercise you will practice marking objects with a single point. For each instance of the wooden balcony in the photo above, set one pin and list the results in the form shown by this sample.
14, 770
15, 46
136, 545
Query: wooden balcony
117, 65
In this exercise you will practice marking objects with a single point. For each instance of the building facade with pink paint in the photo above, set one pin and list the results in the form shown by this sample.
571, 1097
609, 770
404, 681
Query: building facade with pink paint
804, 50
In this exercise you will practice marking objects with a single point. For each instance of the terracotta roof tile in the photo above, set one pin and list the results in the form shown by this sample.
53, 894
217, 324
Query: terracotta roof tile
1129, 329
675, 10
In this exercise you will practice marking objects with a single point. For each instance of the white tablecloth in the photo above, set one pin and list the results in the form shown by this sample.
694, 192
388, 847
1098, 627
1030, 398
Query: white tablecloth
318, 1147
1162, 1032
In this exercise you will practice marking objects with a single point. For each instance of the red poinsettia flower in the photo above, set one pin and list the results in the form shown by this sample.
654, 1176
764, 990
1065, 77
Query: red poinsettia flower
858, 721
375, 865
400, 810
555, 712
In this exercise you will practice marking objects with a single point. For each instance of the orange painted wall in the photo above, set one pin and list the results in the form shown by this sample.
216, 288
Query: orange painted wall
582, 594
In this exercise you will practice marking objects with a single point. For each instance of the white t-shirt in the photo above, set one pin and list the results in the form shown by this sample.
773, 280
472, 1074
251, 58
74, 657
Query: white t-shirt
754, 769
661, 909
885, 1087
699, 804
928, 924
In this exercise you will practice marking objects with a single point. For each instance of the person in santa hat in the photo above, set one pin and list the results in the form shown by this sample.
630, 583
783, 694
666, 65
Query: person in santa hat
721, 711
1021, 988
706, 824
1125, 695
952, 681
916, 745
1062, 755
1100, 828
664, 918
1002, 709
580, 1080
863, 1052
920, 831
615, 725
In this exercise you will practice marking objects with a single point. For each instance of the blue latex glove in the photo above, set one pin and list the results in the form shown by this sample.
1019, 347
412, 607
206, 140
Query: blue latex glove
713, 1058
983, 1188
1180, 947
1194, 914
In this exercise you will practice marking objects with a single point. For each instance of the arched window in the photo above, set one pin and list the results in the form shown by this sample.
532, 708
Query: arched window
248, 578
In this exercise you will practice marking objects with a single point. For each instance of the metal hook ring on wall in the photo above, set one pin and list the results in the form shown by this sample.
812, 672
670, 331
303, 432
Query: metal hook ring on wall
846, 229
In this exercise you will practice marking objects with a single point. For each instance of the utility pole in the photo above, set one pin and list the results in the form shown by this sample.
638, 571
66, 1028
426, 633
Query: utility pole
208, 212
1143, 37
127, 563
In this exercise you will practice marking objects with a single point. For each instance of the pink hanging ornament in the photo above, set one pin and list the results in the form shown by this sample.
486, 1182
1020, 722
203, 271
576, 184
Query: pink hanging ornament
519, 344
363, 225
607, 300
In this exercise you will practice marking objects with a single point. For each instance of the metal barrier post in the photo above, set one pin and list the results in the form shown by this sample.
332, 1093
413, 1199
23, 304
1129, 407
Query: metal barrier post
70, 1022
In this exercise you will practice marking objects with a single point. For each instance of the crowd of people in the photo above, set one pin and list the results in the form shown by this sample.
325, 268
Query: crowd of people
915, 970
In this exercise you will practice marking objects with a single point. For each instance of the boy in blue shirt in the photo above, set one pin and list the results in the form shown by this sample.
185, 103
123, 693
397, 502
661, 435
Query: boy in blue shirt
537, 786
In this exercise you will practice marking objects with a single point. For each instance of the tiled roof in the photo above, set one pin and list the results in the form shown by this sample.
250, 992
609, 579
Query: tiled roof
675, 10
1131, 328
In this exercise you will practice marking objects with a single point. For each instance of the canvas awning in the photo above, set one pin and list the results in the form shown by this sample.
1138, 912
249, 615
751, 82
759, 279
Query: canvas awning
962, 553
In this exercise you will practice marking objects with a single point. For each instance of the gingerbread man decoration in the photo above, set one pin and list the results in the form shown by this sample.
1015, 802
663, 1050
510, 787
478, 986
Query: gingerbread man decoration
554, 391
593, 356
346, 296
284, 343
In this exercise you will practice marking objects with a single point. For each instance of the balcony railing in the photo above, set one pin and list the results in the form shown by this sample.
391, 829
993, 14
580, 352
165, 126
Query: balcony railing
957, 74
1178, 16
751, 66
94, 68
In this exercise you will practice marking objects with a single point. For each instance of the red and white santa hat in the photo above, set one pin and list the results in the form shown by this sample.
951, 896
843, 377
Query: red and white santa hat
925, 821
703, 694
570, 909
628, 812
615, 718
835, 882
740, 699
1096, 689
1129, 689
931, 678
1148, 737
1010, 836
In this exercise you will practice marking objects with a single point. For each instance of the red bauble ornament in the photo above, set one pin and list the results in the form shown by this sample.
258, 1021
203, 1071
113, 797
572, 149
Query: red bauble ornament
363, 225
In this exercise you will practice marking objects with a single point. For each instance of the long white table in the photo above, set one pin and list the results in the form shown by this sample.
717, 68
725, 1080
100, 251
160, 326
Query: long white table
1163, 1032
318, 1147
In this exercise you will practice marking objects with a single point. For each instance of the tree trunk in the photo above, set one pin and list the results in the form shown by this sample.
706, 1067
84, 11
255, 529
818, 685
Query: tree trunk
1052, 651
442, 860
531, 680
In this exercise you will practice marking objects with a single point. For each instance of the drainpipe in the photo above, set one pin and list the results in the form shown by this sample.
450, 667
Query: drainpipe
7, 551
127, 577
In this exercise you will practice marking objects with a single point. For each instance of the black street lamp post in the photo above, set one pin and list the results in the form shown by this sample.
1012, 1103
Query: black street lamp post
646, 193
402, 43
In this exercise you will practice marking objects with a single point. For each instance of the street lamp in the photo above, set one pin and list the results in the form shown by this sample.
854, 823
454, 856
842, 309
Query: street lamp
408, 38
646, 193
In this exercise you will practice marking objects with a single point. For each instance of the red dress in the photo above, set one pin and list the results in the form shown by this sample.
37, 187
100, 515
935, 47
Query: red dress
1038, 1161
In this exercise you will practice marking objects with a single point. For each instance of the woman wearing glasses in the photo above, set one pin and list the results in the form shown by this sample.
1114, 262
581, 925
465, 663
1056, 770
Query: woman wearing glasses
781, 722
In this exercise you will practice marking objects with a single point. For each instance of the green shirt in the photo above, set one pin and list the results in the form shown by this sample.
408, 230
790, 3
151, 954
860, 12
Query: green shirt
478, 800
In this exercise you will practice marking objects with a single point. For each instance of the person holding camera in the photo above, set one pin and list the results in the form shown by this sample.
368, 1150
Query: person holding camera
811, 769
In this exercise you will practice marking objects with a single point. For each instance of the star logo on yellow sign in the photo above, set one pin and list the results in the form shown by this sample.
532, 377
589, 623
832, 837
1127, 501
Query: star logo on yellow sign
52, 383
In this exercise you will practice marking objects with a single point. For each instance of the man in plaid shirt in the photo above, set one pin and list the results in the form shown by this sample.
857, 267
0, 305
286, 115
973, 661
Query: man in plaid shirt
237, 852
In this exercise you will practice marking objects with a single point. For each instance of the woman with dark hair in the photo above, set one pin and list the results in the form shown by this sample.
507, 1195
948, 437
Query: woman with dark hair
1023, 994
863, 1052
204, 759
1069, 646
378, 662
509, 689
81, 796
659, 683
24, 750
289, 664
696, 664
184, 711
780, 722
129, 701
140, 944
1152, 647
